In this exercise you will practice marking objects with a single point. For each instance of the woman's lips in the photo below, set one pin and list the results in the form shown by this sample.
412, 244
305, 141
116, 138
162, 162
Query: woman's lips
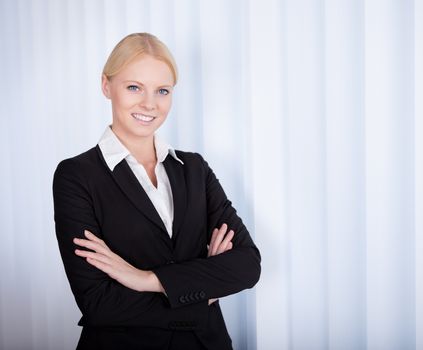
142, 118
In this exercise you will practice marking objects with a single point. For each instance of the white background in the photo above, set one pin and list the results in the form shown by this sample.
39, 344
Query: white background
310, 112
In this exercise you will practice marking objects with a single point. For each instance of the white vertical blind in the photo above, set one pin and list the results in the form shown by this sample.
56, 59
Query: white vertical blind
309, 111
345, 166
389, 111
418, 167
268, 154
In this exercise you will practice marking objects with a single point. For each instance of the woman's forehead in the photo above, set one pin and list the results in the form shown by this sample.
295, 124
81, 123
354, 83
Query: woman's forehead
147, 70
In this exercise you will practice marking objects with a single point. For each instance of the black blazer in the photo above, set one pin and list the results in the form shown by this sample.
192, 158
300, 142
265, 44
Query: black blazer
114, 206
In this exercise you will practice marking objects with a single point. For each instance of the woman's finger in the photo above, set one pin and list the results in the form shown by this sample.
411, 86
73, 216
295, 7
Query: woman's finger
124, 274
97, 256
219, 237
91, 236
214, 234
212, 240
92, 245
223, 246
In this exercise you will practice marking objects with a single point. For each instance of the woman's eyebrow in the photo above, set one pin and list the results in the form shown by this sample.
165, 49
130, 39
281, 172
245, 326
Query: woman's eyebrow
139, 83
133, 81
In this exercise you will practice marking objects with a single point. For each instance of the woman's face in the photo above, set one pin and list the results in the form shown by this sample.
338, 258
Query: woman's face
141, 96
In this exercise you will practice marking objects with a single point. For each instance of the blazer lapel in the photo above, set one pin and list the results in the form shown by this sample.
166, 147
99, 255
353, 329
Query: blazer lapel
175, 173
129, 184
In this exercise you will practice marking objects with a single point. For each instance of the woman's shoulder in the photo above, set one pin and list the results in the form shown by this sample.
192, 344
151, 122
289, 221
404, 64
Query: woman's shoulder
191, 158
80, 163
187, 155
195, 163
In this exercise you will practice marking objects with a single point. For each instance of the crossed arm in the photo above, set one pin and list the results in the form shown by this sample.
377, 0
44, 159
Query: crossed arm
131, 277
106, 287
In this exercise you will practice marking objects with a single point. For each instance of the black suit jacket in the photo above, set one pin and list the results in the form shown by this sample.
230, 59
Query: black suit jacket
114, 206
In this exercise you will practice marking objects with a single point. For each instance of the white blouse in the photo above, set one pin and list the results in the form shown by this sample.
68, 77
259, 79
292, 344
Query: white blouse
114, 151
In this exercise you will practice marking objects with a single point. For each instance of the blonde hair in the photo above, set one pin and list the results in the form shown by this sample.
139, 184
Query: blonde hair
135, 45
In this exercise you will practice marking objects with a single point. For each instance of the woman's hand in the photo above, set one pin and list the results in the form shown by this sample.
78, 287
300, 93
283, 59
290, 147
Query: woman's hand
220, 242
117, 268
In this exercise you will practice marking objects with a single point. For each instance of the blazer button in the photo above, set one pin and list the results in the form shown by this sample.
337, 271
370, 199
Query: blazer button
182, 299
202, 294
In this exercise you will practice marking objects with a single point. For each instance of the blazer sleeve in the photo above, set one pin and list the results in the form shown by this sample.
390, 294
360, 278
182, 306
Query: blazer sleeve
189, 282
102, 300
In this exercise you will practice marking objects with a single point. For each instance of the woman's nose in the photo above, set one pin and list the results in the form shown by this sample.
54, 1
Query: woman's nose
147, 101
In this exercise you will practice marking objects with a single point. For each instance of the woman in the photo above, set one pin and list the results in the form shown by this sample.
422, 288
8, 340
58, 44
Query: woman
147, 235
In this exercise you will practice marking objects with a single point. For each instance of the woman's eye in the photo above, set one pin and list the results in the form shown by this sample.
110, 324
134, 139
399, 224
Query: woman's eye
133, 88
163, 91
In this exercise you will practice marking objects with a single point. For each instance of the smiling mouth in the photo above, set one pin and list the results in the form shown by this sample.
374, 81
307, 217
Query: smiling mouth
143, 117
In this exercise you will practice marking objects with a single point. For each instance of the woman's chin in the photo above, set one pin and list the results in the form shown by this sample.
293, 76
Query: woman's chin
132, 130
143, 133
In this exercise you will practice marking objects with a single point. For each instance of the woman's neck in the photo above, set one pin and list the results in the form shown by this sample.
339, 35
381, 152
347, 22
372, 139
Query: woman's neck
142, 148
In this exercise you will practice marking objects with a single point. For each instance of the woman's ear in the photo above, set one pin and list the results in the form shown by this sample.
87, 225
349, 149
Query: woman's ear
105, 86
